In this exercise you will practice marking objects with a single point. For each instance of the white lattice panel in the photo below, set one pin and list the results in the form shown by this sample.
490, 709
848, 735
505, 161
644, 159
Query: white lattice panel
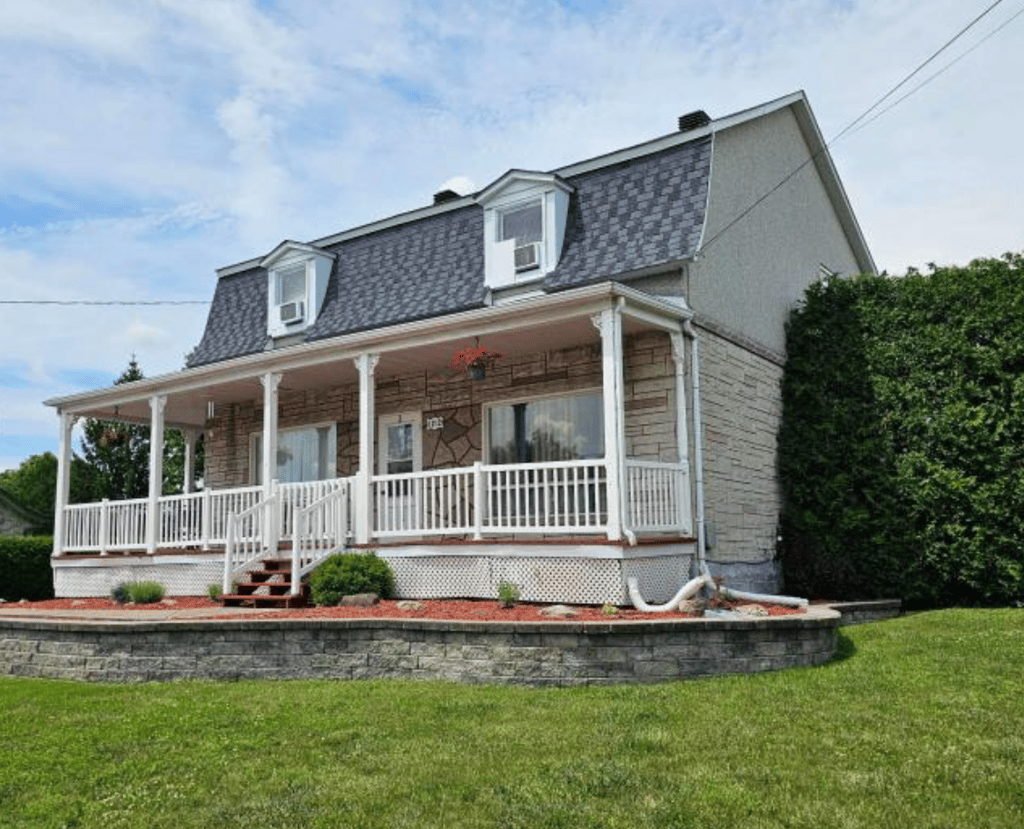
568, 580
179, 578
659, 578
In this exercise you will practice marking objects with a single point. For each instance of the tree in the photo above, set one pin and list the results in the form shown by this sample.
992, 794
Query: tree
118, 454
34, 483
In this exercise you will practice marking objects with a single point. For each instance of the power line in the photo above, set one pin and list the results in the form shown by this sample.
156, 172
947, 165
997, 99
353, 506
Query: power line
866, 112
104, 302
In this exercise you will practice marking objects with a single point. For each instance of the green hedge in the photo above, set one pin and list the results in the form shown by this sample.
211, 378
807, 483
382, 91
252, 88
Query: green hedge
25, 567
901, 450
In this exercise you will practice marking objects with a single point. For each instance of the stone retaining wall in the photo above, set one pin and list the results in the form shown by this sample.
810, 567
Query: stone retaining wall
545, 653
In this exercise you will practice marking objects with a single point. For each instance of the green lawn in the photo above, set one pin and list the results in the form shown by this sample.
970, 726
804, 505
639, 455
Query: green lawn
918, 724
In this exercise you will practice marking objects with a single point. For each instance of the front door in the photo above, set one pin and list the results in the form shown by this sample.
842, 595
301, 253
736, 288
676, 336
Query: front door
400, 452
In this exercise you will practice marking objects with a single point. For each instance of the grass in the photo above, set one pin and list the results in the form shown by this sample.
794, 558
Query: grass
918, 723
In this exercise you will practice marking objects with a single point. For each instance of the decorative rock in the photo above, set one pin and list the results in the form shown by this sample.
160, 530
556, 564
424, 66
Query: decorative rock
409, 604
717, 613
558, 611
168, 601
23, 601
359, 600
752, 610
77, 603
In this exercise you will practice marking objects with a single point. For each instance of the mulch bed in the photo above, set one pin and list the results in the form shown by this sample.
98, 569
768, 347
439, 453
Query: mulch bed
477, 610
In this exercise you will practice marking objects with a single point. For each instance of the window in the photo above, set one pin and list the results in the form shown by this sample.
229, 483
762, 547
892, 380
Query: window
550, 429
291, 284
305, 454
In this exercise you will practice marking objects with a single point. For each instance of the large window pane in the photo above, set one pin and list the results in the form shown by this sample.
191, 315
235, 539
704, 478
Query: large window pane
555, 429
302, 455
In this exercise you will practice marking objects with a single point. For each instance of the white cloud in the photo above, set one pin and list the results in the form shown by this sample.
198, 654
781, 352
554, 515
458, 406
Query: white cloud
146, 144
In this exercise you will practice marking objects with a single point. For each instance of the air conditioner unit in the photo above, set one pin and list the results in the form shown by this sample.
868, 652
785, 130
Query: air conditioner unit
527, 257
292, 312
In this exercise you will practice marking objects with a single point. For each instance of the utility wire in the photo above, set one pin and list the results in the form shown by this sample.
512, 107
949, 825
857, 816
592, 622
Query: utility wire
866, 112
104, 302
932, 77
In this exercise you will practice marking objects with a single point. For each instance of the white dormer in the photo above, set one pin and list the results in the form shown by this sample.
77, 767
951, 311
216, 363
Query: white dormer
524, 226
297, 283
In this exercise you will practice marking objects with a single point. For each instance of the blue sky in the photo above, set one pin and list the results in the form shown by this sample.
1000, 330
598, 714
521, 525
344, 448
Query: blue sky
144, 144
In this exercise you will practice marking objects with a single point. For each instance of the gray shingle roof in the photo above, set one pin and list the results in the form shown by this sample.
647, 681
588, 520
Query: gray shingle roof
622, 218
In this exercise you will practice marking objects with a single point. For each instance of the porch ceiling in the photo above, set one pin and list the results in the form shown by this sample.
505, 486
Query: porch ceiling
549, 324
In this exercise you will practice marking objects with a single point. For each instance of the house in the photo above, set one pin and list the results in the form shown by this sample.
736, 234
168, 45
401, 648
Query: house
18, 519
636, 301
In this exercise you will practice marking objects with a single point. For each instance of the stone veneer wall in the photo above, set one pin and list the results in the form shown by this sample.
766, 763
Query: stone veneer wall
520, 653
649, 407
741, 407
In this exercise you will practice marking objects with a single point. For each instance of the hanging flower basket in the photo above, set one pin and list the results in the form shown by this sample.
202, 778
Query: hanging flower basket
475, 361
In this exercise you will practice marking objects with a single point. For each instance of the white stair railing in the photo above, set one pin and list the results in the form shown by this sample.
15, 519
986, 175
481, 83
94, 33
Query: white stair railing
247, 534
320, 530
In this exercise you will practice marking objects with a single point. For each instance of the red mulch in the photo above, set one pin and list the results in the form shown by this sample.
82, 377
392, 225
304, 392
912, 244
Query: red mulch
479, 610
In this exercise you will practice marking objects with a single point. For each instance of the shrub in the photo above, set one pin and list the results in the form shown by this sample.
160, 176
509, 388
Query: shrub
145, 592
213, 591
345, 574
508, 593
137, 592
901, 449
25, 564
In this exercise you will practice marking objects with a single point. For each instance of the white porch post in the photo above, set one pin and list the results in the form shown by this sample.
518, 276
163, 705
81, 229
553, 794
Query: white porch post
609, 323
682, 434
366, 363
157, 404
67, 421
270, 382
190, 436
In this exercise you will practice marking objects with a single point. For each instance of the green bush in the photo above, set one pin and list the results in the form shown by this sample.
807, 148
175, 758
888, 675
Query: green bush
901, 449
137, 592
25, 565
345, 574
214, 591
145, 592
508, 594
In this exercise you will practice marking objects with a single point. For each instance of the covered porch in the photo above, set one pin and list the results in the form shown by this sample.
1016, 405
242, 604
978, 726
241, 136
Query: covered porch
608, 501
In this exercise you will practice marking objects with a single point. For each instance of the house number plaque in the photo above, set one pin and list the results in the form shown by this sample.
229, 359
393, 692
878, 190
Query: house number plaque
435, 423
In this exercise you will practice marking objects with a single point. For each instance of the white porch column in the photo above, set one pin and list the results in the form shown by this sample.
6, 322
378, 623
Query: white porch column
682, 433
190, 436
366, 363
67, 421
157, 404
268, 463
609, 323
270, 382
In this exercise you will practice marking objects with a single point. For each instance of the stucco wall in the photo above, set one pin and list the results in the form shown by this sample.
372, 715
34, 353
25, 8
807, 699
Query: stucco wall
749, 279
649, 407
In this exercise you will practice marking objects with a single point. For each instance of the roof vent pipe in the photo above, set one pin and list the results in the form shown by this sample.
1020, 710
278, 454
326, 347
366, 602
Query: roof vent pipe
445, 196
693, 120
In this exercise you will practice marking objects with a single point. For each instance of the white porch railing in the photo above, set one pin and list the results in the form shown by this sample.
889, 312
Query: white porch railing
321, 529
563, 497
247, 532
658, 497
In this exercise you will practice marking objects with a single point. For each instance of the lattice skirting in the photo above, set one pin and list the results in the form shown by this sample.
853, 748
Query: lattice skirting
543, 576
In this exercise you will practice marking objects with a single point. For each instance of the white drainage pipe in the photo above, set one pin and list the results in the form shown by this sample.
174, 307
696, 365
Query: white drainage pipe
691, 588
729, 593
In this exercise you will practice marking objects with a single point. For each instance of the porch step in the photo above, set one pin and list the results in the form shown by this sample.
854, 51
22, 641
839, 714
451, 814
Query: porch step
268, 586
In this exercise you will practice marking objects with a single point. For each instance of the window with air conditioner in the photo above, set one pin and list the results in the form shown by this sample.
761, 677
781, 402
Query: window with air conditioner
525, 227
291, 294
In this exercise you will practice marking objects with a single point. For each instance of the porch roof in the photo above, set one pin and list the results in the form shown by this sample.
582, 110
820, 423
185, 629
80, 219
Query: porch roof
540, 322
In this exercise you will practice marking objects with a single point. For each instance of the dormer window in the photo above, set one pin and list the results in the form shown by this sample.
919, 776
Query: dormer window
298, 276
524, 226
